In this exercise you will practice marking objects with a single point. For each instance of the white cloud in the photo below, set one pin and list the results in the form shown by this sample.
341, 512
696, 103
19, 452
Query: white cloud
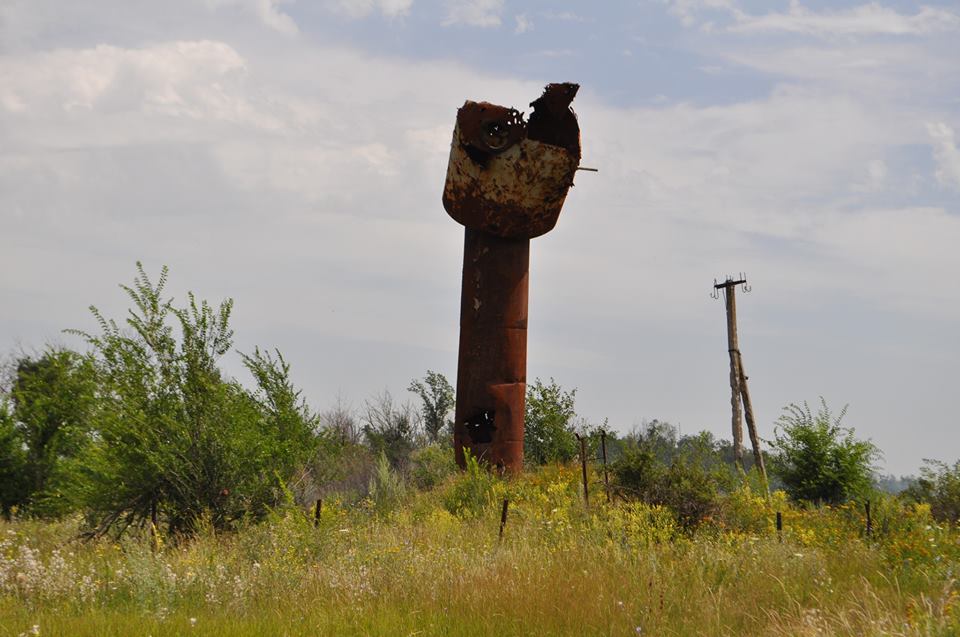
475, 13
523, 23
689, 11
268, 11
362, 8
563, 16
304, 179
867, 19
88, 97
875, 178
946, 154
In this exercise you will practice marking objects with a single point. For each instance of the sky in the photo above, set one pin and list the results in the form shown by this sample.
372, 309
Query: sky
291, 156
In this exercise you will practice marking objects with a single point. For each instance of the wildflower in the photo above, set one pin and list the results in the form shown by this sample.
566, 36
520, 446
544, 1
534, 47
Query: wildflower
193, 621
35, 629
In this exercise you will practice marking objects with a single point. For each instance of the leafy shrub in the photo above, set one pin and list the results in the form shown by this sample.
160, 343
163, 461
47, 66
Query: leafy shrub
748, 510
688, 485
387, 488
13, 489
548, 433
174, 439
819, 460
46, 422
430, 465
470, 493
641, 525
939, 487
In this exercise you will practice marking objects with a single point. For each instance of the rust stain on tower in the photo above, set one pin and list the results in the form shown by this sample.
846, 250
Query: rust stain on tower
506, 183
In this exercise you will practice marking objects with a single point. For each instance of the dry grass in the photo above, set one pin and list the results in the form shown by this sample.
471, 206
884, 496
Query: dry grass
561, 570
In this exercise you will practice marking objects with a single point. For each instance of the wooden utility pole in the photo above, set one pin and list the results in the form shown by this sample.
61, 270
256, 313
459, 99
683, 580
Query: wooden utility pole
738, 379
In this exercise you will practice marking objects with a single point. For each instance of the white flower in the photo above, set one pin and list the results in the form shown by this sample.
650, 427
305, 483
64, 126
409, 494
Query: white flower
35, 629
193, 621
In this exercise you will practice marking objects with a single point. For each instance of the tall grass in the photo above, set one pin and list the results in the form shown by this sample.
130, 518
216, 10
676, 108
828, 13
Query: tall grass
432, 567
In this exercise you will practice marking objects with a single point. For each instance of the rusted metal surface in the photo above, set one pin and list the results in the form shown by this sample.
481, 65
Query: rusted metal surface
507, 180
510, 178
492, 368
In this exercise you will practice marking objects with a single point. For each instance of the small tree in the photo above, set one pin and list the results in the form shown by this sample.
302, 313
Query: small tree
548, 432
13, 491
341, 422
390, 429
818, 459
176, 441
51, 398
437, 396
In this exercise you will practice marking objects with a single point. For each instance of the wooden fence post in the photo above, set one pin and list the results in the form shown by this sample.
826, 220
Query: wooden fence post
503, 518
603, 450
583, 465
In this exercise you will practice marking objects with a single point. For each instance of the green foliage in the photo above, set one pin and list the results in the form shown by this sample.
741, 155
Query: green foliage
939, 487
13, 490
686, 477
387, 488
431, 465
817, 459
472, 491
437, 397
173, 435
47, 424
548, 432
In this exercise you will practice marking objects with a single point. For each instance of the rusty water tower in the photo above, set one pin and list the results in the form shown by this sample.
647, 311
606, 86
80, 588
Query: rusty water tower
507, 179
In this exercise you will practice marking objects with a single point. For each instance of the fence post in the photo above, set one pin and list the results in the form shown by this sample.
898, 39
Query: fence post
154, 526
869, 521
779, 527
603, 449
503, 518
583, 465
316, 512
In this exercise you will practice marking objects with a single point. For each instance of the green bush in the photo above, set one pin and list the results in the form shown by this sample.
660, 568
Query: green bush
470, 493
689, 485
13, 491
819, 460
938, 486
175, 440
548, 432
430, 465
45, 423
387, 488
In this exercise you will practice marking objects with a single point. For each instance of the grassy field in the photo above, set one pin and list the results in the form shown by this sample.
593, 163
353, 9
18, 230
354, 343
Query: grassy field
409, 566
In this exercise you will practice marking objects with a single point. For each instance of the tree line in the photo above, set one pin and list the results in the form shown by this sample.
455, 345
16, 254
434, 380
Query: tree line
145, 429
